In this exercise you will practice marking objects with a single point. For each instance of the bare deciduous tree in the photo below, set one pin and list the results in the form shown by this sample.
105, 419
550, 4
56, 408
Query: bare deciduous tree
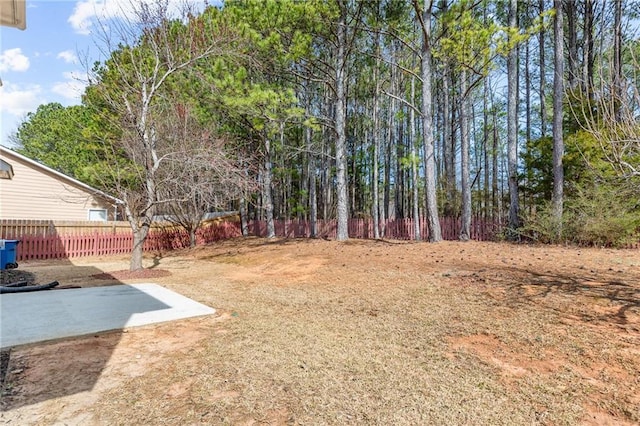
144, 52
203, 173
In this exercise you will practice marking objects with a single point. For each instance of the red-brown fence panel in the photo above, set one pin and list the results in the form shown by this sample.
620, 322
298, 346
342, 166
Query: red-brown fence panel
396, 229
41, 246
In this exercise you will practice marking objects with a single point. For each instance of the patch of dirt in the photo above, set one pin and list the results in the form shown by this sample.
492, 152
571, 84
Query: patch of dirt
4, 365
126, 274
40, 376
362, 332
510, 363
8, 276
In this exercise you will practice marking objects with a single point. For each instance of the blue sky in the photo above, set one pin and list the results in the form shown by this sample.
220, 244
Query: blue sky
40, 64
47, 61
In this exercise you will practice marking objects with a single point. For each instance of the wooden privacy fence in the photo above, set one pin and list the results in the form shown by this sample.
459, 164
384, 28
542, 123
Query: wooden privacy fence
394, 229
16, 228
54, 246
101, 243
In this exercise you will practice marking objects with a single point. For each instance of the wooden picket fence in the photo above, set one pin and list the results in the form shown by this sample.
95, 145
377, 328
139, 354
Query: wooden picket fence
394, 229
103, 242
39, 241
16, 228
54, 246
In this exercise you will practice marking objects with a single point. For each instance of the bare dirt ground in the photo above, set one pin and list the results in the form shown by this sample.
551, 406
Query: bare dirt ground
362, 332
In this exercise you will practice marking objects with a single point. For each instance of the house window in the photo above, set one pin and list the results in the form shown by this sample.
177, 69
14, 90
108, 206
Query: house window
6, 170
98, 215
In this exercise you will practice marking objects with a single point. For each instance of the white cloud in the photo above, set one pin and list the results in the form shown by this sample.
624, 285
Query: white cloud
72, 87
17, 101
83, 14
68, 56
87, 12
13, 60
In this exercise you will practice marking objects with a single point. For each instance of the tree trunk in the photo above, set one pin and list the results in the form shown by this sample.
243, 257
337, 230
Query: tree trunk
313, 197
558, 142
399, 198
388, 207
527, 199
244, 220
414, 165
587, 50
352, 171
465, 228
435, 233
617, 61
192, 237
495, 194
543, 111
512, 124
485, 139
375, 209
527, 92
572, 41
267, 194
140, 228
139, 237
326, 190
477, 157
448, 137
449, 152
342, 232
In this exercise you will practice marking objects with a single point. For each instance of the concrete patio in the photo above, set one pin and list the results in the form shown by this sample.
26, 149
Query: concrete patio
53, 314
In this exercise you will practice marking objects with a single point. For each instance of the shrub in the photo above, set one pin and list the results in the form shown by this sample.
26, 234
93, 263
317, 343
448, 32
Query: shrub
600, 215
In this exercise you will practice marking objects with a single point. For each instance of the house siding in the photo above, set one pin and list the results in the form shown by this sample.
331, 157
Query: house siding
39, 194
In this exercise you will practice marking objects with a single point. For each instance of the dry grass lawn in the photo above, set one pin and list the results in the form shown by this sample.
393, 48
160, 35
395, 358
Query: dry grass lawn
362, 332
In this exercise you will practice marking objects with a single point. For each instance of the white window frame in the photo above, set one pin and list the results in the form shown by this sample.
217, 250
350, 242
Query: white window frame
105, 215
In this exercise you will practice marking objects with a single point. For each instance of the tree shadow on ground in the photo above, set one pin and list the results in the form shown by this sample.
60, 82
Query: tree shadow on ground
53, 342
609, 297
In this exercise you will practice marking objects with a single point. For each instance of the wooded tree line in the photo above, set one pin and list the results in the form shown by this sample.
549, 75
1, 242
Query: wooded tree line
523, 112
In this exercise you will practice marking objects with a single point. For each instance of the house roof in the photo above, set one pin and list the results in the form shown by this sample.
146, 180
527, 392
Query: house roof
68, 179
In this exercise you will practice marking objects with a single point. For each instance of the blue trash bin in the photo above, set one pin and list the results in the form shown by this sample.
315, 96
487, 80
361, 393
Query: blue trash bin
8, 254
